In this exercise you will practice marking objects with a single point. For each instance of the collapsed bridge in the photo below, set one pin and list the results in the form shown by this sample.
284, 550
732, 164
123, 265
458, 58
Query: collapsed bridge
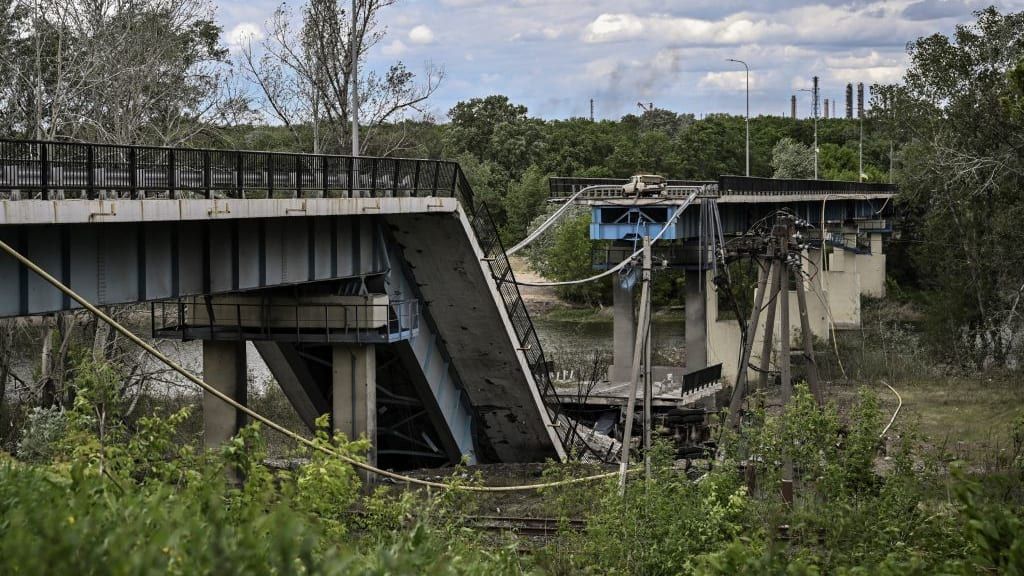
375, 289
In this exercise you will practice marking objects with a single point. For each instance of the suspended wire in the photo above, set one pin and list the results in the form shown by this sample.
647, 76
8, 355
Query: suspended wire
626, 262
550, 221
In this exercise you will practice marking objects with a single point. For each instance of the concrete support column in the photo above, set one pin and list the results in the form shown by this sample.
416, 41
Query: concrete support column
224, 367
624, 332
354, 404
875, 239
697, 319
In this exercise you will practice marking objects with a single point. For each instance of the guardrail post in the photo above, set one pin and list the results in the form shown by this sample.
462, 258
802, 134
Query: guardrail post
455, 179
373, 177
416, 180
239, 176
44, 170
171, 175
90, 174
323, 176
207, 174
298, 176
133, 173
437, 174
394, 183
351, 176
268, 169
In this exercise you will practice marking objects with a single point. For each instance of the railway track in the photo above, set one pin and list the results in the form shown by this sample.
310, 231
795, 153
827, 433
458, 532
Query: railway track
524, 526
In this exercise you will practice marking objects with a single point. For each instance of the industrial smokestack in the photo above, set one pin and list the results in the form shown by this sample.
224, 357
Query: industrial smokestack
792, 106
826, 108
849, 101
814, 94
860, 100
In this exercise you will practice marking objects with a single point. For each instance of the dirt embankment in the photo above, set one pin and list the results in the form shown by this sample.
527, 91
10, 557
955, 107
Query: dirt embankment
538, 299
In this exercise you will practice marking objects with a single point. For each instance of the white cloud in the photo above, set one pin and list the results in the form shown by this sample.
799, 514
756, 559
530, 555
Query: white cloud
421, 35
545, 33
871, 75
395, 48
243, 33
612, 27
731, 81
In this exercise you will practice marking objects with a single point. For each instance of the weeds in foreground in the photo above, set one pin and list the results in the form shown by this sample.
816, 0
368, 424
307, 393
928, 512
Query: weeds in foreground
92, 498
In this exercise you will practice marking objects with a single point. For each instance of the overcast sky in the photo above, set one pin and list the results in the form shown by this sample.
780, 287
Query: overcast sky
554, 55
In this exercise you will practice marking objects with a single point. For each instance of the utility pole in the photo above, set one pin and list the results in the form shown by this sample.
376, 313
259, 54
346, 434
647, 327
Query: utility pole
814, 105
782, 233
815, 127
860, 153
648, 370
642, 330
747, 68
782, 265
354, 65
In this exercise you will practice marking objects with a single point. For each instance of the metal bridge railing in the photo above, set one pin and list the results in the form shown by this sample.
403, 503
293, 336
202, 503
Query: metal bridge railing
364, 322
38, 169
751, 186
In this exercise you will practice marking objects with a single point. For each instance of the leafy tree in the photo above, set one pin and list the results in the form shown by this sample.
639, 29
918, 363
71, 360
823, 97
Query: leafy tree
791, 159
472, 124
526, 199
117, 71
961, 176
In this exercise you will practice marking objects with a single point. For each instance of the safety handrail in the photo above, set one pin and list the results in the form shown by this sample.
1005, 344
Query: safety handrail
39, 168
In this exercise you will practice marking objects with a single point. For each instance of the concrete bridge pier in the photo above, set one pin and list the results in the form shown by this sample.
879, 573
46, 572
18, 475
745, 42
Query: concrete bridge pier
354, 396
623, 332
696, 320
224, 367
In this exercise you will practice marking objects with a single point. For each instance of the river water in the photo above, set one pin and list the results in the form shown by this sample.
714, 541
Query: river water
568, 344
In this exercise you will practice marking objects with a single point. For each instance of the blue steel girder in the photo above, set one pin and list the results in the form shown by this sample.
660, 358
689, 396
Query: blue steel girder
737, 217
431, 369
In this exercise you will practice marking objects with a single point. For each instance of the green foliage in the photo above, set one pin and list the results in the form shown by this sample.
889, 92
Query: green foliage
327, 487
526, 200
961, 175
791, 159
44, 427
567, 256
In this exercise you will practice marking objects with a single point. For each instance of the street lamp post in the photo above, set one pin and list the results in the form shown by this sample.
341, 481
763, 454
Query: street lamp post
747, 68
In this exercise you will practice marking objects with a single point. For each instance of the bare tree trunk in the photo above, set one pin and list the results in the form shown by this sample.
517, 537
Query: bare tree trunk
66, 324
99, 342
46, 363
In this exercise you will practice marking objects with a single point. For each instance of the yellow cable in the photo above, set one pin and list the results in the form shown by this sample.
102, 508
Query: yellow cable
259, 417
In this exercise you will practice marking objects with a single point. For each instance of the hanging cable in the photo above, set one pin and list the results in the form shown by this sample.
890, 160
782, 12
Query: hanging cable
551, 220
625, 262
